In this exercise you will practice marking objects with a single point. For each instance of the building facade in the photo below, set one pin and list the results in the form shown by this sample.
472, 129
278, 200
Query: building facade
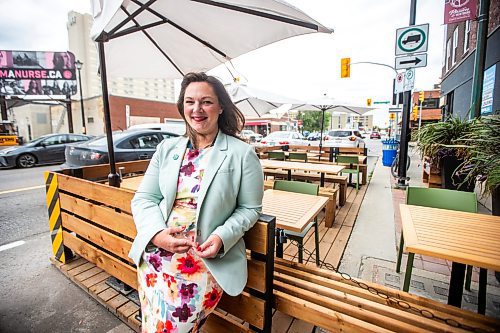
458, 65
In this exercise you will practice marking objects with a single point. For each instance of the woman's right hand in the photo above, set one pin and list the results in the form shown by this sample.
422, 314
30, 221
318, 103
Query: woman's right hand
170, 240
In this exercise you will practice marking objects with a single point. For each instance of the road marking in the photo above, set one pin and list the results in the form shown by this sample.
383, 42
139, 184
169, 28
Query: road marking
22, 189
11, 245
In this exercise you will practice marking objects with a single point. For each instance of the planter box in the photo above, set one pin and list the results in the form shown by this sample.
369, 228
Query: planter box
431, 175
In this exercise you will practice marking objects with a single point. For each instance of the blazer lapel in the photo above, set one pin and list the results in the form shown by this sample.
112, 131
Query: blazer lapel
218, 155
171, 169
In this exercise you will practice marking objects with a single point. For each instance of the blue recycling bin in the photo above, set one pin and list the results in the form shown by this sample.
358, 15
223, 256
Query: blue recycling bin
389, 151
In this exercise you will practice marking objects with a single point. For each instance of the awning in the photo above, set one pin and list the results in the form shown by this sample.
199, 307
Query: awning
257, 122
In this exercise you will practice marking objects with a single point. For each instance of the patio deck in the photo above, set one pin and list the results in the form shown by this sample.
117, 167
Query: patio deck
333, 242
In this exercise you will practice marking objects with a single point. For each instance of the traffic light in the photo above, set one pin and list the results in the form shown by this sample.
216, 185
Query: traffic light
345, 67
368, 102
392, 116
421, 96
415, 112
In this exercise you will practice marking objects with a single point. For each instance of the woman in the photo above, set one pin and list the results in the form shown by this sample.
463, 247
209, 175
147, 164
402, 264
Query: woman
200, 194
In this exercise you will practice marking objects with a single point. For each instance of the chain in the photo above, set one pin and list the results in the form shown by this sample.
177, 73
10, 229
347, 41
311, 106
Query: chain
401, 303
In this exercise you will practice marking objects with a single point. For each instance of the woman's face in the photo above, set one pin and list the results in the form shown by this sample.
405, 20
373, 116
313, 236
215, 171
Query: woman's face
202, 108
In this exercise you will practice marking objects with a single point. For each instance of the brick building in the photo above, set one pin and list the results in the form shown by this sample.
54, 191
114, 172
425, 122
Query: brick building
431, 111
458, 63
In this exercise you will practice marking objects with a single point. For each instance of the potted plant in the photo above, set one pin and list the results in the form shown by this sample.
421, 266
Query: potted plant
481, 160
443, 144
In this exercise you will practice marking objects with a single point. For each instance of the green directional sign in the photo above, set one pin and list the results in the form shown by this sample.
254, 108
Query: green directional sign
382, 102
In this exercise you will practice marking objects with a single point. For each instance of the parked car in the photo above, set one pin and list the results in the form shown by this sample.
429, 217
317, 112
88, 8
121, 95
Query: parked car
344, 138
280, 138
375, 135
47, 149
251, 136
176, 127
128, 145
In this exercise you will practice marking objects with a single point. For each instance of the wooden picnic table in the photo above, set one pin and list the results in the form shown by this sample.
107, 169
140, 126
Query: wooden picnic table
293, 211
463, 238
301, 166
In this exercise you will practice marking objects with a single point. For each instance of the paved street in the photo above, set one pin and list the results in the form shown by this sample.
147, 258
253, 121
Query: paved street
35, 296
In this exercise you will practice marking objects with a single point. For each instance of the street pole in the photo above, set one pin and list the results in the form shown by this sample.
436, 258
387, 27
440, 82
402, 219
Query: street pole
79, 65
3, 108
419, 120
405, 125
479, 60
70, 113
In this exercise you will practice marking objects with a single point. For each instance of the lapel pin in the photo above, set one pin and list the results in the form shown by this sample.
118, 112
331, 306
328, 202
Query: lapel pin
176, 157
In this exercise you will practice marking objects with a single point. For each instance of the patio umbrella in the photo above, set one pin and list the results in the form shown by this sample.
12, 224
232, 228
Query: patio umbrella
169, 38
254, 102
328, 104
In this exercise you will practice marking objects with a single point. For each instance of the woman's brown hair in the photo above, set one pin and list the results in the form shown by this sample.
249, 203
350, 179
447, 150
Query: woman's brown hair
231, 120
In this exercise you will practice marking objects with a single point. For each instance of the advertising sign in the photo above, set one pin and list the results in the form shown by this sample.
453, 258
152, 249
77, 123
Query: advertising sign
488, 88
37, 73
459, 10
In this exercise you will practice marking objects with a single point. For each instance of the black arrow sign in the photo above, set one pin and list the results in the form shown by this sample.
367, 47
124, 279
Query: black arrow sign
414, 61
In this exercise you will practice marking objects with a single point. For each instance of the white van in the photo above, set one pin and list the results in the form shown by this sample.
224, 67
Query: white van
176, 127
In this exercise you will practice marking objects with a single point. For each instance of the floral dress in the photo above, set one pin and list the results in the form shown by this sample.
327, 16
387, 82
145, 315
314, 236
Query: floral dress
177, 292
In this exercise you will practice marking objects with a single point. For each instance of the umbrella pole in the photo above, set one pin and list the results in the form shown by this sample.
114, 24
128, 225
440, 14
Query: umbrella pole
321, 137
113, 177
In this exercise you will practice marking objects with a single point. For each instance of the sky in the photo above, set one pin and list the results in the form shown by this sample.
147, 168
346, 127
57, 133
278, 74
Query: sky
303, 67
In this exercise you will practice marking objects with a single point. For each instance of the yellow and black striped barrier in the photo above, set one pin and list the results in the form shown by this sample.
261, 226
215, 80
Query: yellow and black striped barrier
55, 222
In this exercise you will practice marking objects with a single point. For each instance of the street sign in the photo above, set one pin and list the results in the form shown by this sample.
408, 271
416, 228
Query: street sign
398, 86
413, 61
382, 102
409, 79
412, 39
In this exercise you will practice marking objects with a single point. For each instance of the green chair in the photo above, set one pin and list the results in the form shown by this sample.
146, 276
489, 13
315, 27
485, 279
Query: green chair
435, 198
352, 168
276, 155
297, 157
304, 188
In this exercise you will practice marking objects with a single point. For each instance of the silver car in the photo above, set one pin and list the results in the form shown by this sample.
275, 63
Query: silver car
281, 138
344, 138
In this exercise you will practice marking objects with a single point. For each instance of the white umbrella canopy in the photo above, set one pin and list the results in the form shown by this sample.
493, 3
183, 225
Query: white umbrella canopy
254, 102
329, 104
168, 38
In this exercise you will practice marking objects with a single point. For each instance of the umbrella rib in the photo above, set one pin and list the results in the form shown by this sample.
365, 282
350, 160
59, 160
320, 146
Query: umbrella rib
343, 106
135, 29
132, 16
155, 44
253, 107
261, 14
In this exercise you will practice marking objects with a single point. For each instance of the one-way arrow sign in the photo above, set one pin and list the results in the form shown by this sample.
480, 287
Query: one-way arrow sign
414, 61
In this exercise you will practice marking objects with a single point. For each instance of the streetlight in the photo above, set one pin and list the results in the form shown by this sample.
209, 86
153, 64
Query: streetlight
79, 65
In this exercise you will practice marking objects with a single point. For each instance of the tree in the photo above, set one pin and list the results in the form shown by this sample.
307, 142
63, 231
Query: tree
311, 120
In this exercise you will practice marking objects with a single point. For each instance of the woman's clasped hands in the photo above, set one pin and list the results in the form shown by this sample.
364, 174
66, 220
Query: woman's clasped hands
172, 240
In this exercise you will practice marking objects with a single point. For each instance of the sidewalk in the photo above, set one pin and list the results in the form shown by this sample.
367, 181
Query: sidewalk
372, 248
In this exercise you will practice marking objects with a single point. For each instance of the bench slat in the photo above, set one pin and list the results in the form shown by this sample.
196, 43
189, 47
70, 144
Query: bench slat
105, 216
244, 306
107, 195
103, 260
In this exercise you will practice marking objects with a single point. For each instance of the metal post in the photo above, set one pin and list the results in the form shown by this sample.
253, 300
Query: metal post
3, 108
79, 64
419, 120
113, 177
405, 125
70, 113
322, 126
479, 60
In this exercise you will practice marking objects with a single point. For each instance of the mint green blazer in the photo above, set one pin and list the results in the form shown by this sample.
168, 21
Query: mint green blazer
229, 203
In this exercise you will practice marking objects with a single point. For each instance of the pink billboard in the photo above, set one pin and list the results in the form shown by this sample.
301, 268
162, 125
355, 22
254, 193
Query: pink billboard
37, 73
459, 10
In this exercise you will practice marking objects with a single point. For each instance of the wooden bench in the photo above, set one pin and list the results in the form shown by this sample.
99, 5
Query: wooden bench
94, 221
324, 298
330, 193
